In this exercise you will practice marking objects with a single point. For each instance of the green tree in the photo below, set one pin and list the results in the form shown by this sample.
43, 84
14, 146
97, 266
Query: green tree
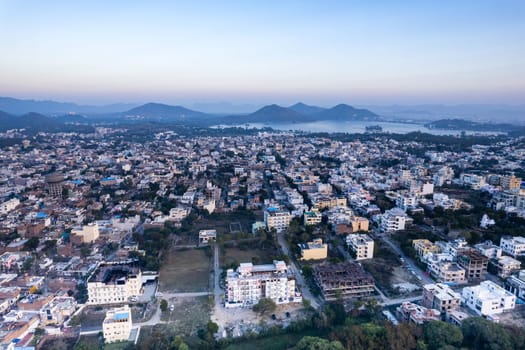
212, 327
316, 343
439, 334
265, 305
163, 305
31, 244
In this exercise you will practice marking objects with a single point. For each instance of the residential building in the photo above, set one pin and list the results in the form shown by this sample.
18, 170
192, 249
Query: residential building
506, 266
447, 272
249, 283
361, 245
440, 297
9, 206
117, 324
489, 249
343, 280
423, 247
474, 263
417, 314
359, 223
207, 236
406, 201
516, 284
277, 219
314, 250
393, 220
114, 283
514, 246
488, 299
312, 217
57, 311
88, 233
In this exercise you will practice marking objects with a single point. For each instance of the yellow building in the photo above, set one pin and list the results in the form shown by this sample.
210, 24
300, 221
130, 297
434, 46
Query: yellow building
314, 250
117, 325
359, 223
424, 246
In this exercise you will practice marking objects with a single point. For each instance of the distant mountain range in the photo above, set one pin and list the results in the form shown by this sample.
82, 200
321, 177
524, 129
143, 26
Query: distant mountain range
35, 122
19, 107
461, 124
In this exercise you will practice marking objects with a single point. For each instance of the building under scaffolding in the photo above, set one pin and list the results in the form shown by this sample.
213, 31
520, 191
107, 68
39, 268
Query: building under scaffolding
344, 280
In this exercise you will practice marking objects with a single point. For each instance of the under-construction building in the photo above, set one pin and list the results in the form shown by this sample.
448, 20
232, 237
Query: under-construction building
344, 280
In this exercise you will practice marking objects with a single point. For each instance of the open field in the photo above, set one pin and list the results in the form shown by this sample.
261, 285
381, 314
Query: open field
241, 221
186, 270
189, 314
229, 255
276, 342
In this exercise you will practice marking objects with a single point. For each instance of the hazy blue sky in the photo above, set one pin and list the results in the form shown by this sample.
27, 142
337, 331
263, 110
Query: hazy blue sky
359, 52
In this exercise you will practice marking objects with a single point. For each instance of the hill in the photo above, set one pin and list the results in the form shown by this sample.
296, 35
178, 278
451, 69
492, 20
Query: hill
344, 112
163, 113
35, 122
306, 109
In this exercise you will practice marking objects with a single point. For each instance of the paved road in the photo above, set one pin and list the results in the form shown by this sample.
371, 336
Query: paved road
425, 279
301, 283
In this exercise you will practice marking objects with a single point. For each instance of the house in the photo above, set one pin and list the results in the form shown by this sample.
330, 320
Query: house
314, 250
88, 233
506, 266
488, 299
489, 249
207, 236
423, 247
417, 314
312, 217
57, 311
516, 284
441, 297
514, 246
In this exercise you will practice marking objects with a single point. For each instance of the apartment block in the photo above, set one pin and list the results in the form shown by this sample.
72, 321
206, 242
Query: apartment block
393, 220
345, 280
440, 297
312, 217
516, 284
314, 250
277, 219
114, 283
361, 245
249, 283
417, 314
506, 266
514, 246
488, 299
474, 263
117, 324
447, 272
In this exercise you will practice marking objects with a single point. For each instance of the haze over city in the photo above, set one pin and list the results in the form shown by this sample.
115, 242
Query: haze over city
359, 52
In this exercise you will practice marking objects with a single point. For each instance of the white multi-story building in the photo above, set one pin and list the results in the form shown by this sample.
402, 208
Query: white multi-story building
393, 220
488, 299
516, 284
9, 205
313, 217
249, 283
506, 266
489, 249
362, 246
117, 324
514, 246
406, 201
112, 283
277, 219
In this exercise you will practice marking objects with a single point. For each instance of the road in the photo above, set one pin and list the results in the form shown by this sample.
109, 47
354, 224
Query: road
301, 283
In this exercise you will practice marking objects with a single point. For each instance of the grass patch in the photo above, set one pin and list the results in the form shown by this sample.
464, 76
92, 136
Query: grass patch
185, 271
275, 342
258, 256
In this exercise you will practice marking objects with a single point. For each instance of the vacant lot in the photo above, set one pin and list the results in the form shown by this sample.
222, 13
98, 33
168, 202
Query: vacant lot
188, 316
236, 254
185, 271
241, 220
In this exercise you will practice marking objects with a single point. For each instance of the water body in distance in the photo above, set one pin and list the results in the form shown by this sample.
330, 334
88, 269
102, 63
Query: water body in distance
354, 127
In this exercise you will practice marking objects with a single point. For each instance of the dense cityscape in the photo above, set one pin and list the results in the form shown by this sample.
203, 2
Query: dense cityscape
225, 241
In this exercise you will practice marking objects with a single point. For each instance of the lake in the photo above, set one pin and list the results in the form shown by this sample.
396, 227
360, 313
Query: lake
354, 127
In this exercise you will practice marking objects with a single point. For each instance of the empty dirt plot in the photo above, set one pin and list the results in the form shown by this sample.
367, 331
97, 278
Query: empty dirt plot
258, 256
188, 315
185, 270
